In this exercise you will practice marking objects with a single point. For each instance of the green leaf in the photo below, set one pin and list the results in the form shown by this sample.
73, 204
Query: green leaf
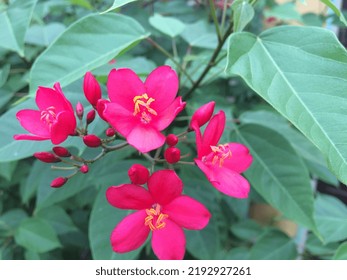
335, 10
168, 25
243, 13
297, 69
117, 4
103, 220
85, 45
247, 230
287, 11
14, 23
30, 185
10, 220
277, 173
7, 169
330, 216
274, 245
82, 3
341, 253
200, 34
43, 35
57, 218
36, 235
4, 71
317, 248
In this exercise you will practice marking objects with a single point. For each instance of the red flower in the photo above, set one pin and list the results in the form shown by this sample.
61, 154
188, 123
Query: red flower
139, 111
162, 210
222, 164
54, 120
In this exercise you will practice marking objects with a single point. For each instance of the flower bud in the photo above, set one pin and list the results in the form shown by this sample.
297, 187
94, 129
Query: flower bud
172, 155
110, 132
138, 174
171, 140
84, 168
58, 182
90, 116
61, 151
92, 141
100, 108
203, 114
79, 110
91, 89
46, 157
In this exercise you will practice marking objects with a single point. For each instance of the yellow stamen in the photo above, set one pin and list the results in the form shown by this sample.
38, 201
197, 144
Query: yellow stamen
142, 105
221, 153
155, 219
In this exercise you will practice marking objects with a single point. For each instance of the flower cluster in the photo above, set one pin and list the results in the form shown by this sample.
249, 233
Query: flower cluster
137, 113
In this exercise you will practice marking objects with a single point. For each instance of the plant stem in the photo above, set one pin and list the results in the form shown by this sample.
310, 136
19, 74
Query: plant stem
160, 48
211, 63
215, 20
224, 15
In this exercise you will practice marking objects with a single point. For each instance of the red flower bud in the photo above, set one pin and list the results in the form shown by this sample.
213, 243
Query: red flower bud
61, 151
84, 168
92, 141
100, 108
203, 114
46, 157
110, 132
79, 110
91, 89
138, 174
90, 116
58, 182
172, 155
171, 140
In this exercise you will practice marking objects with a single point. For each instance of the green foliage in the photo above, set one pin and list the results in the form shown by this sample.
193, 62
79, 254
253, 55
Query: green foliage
243, 14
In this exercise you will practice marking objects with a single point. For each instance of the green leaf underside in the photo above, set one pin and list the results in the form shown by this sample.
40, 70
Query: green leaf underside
277, 173
13, 24
301, 72
85, 45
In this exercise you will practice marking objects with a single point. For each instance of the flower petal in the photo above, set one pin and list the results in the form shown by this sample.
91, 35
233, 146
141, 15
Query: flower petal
165, 118
121, 119
29, 137
240, 159
122, 86
165, 186
162, 85
31, 121
63, 127
169, 243
130, 233
145, 138
213, 132
47, 97
187, 212
225, 180
129, 196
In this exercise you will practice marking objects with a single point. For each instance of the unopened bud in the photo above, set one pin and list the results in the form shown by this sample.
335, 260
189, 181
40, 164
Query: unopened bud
110, 132
172, 155
91, 89
58, 182
138, 174
46, 157
92, 141
79, 110
84, 168
171, 140
61, 151
100, 108
90, 116
203, 114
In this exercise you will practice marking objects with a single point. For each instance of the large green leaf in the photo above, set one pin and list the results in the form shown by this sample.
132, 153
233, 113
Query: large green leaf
168, 25
301, 72
36, 235
14, 22
330, 216
85, 45
274, 245
243, 13
277, 173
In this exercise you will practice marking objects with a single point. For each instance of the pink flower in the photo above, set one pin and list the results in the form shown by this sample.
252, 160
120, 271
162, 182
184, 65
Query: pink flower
222, 164
162, 210
203, 114
139, 111
54, 120
91, 88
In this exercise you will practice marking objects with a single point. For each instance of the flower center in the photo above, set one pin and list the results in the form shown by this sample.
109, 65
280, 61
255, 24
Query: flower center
49, 116
155, 219
142, 106
219, 154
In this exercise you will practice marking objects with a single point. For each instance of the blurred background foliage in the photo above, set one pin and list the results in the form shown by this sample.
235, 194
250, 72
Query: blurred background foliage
297, 207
